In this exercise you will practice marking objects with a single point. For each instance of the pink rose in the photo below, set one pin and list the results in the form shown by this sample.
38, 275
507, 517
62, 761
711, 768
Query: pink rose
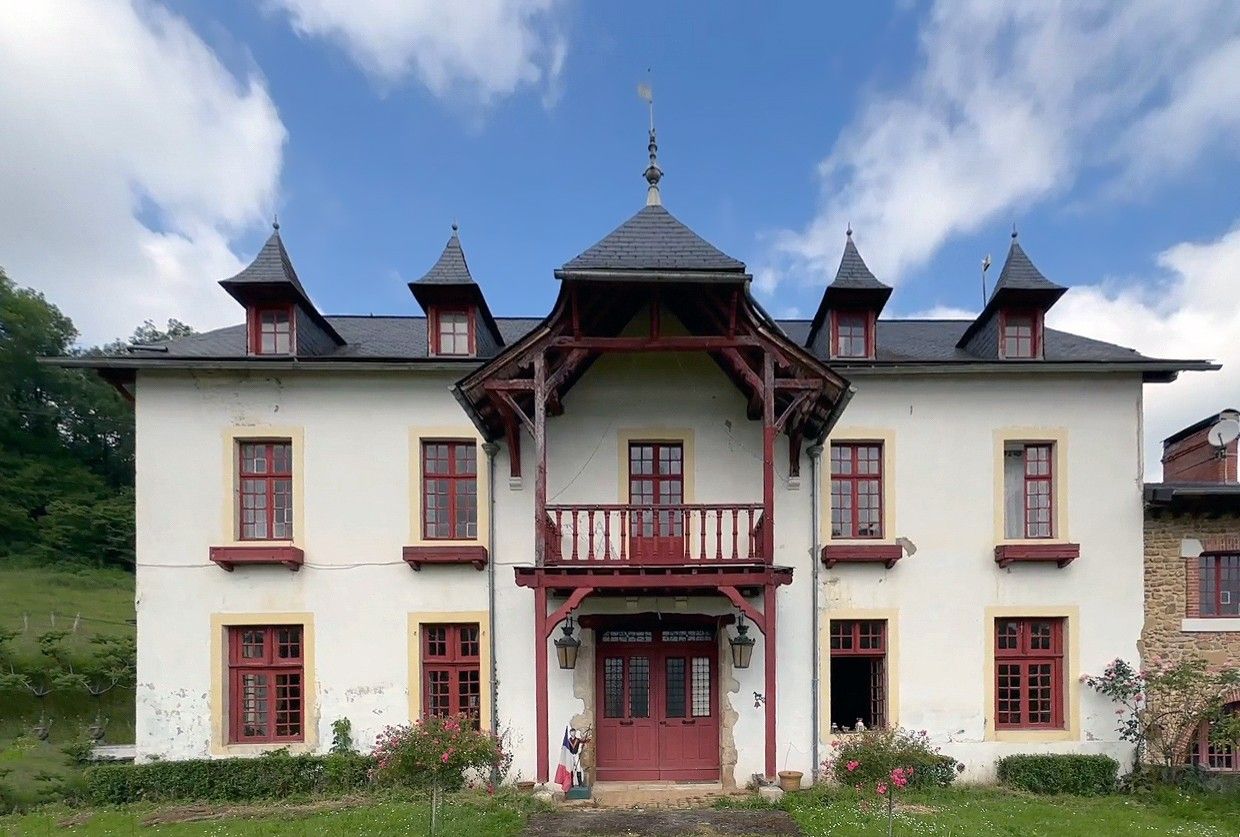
881, 789
852, 765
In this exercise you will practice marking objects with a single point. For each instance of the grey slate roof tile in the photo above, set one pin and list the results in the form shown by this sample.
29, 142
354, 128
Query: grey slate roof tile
451, 268
271, 266
654, 240
1019, 273
853, 272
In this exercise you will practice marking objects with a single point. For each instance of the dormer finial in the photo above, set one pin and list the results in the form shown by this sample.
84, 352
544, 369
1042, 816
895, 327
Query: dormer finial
848, 231
275, 222
1013, 230
653, 173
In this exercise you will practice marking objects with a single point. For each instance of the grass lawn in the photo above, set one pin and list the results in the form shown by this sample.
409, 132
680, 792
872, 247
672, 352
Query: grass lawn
37, 600
960, 812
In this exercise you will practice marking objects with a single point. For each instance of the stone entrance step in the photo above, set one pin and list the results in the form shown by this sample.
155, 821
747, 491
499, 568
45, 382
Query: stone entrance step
657, 794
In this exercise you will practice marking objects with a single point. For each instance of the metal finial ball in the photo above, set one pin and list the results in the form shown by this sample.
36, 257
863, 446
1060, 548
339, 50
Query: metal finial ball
455, 226
275, 222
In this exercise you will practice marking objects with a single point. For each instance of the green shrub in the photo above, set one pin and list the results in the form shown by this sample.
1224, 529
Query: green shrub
274, 776
434, 752
1080, 775
869, 757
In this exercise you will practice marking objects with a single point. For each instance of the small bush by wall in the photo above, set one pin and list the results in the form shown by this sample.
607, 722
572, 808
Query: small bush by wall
227, 780
1080, 775
870, 756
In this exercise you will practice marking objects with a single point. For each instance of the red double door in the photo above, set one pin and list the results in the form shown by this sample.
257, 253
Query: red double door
658, 706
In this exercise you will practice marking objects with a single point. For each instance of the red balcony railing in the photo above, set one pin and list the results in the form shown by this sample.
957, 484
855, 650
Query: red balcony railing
686, 533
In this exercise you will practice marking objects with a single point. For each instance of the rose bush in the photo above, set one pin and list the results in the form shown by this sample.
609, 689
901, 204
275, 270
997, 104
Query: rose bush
871, 756
434, 753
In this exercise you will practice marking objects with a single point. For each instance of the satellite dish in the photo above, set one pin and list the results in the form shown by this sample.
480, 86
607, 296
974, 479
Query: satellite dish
1224, 432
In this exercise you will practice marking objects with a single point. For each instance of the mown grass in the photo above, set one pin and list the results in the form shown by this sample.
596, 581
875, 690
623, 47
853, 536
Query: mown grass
33, 601
462, 815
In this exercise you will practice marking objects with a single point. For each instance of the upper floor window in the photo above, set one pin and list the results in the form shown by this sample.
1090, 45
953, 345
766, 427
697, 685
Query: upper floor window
271, 330
265, 673
265, 485
449, 490
453, 332
1028, 490
857, 490
852, 334
1220, 585
1029, 679
1019, 335
451, 672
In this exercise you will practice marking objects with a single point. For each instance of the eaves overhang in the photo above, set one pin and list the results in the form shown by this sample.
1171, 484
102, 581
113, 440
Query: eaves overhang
1151, 371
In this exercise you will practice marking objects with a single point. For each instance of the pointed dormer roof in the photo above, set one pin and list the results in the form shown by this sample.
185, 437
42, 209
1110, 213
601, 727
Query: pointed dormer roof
450, 282
854, 286
653, 244
272, 278
1021, 286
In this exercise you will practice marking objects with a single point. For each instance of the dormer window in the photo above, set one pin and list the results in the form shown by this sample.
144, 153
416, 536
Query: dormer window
853, 334
452, 332
1020, 335
271, 330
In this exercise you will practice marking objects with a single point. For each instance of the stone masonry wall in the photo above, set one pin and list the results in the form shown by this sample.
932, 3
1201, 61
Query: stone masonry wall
1168, 581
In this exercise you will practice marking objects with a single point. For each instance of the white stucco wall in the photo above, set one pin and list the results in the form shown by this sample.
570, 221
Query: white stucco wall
357, 507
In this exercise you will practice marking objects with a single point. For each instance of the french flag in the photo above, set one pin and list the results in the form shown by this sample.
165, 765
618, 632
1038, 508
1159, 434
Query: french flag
568, 754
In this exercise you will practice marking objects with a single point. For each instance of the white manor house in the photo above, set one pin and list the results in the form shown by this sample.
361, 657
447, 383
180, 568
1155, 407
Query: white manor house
711, 538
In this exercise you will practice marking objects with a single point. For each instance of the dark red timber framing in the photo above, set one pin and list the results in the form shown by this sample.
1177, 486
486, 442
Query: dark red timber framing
591, 549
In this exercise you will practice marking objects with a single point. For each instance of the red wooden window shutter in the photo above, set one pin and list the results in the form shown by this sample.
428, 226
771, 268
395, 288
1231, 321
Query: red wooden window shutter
857, 490
266, 671
451, 673
449, 490
265, 485
1029, 678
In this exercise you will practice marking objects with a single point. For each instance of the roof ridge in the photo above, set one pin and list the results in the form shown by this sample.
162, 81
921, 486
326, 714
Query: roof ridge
653, 239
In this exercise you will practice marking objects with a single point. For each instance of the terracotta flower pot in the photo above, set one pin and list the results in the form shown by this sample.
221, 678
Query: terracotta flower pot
790, 780
525, 787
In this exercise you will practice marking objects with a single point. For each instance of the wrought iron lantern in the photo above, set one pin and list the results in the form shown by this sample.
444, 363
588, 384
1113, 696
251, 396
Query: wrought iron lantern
566, 647
742, 644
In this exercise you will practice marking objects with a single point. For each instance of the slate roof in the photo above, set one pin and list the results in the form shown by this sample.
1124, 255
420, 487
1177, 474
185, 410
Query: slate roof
853, 273
451, 268
653, 239
1020, 274
271, 266
900, 342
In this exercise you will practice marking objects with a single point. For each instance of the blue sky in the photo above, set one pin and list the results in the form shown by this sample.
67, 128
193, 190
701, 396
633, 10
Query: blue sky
140, 171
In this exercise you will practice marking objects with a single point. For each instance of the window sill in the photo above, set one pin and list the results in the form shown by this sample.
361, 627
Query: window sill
1062, 554
1033, 735
886, 554
1209, 624
416, 556
230, 557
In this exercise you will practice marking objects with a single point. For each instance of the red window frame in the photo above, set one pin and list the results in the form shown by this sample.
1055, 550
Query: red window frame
1219, 585
436, 334
656, 478
1039, 490
266, 684
844, 336
857, 490
1029, 676
264, 493
260, 328
858, 637
1014, 344
451, 670
1212, 756
449, 489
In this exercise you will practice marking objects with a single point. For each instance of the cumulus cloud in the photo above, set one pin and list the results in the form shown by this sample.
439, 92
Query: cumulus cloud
1012, 103
1191, 305
128, 158
486, 48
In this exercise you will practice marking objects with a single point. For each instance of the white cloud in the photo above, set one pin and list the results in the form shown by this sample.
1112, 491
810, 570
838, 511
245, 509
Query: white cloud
1012, 103
1194, 306
486, 48
129, 155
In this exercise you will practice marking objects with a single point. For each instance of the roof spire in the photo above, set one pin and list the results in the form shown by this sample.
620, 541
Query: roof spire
1013, 230
275, 222
653, 173
848, 231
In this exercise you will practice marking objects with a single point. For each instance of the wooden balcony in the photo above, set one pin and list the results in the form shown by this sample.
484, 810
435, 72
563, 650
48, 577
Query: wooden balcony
633, 535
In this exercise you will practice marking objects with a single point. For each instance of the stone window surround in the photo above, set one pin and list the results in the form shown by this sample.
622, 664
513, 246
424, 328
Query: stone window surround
1190, 550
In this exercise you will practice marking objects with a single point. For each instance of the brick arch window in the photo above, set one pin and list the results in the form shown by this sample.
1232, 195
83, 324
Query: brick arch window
1219, 756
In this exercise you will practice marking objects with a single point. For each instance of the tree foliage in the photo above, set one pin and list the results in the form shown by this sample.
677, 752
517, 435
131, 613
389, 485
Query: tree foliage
66, 439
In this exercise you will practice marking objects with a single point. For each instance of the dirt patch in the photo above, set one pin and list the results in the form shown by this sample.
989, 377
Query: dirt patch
633, 823
204, 811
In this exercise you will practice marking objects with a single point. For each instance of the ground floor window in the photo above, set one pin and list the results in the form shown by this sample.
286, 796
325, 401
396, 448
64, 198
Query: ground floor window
266, 672
451, 672
858, 673
1215, 755
1029, 678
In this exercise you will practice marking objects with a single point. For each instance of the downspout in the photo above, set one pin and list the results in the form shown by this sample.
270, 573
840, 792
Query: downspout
815, 458
490, 449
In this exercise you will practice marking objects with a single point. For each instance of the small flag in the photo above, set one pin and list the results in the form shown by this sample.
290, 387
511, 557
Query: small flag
568, 755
